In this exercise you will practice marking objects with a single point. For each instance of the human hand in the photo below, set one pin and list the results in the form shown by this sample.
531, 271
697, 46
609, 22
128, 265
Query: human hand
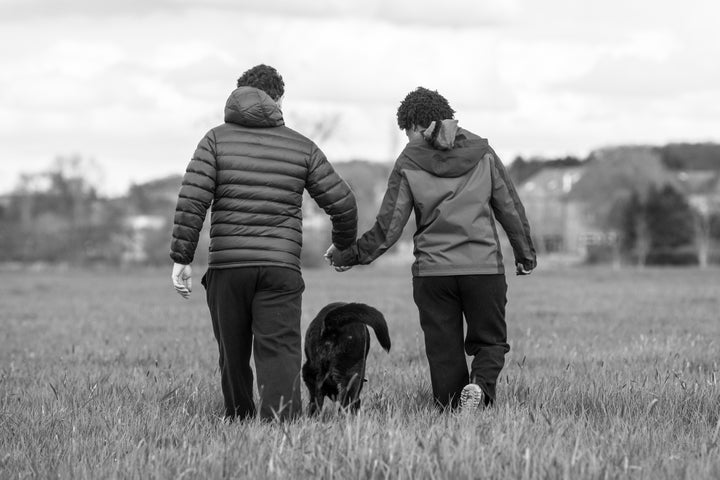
521, 270
332, 251
329, 253
182, 279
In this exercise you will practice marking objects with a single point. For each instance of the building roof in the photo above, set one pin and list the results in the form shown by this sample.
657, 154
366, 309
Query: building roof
554, 181
700, 181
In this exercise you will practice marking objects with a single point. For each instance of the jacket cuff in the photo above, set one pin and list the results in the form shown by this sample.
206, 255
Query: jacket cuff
527, 263
181, 259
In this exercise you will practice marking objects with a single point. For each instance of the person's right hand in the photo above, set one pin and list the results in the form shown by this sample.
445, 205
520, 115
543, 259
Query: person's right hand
329, 253
182, 279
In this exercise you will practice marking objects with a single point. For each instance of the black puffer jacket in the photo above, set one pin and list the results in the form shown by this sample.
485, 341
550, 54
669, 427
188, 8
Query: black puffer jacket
253, 170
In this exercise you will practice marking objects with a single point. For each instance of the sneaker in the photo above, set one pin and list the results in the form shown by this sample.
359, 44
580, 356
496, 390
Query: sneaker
470, 398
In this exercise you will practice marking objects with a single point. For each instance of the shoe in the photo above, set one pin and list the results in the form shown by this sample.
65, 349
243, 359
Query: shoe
470, 398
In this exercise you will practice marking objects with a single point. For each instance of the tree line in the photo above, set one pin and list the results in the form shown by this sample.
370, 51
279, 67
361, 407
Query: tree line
656, 205
58, 216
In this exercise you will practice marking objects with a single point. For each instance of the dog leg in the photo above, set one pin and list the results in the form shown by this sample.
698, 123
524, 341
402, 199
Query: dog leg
317, 397
351, 393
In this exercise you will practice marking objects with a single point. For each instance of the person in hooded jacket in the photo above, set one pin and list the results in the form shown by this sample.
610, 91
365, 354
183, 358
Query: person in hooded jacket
253, 170
457, 186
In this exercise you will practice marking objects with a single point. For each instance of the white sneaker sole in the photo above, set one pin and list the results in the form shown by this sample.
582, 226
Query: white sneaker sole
470, 398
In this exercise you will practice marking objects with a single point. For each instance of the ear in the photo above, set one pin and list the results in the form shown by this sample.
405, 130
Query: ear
279, 101
413, 132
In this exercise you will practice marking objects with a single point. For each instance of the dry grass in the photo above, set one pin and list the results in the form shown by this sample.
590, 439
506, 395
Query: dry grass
611, 375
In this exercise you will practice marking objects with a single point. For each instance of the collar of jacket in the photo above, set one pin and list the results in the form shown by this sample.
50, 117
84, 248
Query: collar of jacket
251, 107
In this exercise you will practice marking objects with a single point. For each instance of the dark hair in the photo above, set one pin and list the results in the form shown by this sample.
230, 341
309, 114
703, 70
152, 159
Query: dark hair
265, 78
421, 107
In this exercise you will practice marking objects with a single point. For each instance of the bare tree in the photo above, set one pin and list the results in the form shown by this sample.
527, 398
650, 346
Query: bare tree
318, 128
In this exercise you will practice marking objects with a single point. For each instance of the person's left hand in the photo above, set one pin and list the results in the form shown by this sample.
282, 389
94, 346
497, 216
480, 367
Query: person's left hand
329, 258
182, 279
521, 269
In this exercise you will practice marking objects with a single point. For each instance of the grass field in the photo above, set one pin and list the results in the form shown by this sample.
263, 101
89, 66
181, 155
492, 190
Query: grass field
612, 374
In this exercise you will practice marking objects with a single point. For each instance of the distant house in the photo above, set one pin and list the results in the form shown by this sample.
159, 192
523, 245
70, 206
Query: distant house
146, 222
557, 221
150, 208
139, 227
702, 188
572, 209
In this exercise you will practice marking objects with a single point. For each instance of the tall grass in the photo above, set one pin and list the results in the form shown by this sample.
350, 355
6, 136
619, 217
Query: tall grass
612, 374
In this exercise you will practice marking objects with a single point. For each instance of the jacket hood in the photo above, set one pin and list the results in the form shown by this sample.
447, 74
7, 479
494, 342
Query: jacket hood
446, 150
251, 107
441, 135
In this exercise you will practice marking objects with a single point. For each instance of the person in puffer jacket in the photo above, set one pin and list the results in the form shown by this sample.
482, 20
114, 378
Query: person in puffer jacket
253, 170
458, 188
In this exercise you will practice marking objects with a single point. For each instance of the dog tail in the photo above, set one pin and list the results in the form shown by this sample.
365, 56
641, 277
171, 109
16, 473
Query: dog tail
359, 313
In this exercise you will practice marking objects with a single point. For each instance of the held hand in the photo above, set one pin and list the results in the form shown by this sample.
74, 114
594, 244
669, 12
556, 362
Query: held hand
182, 279
521, 270
332, 250
329, 253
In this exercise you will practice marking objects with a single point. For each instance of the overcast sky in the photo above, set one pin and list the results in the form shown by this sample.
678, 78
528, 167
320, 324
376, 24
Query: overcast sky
135, 84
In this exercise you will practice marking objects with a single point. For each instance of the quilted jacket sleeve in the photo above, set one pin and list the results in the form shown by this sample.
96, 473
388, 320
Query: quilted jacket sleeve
334, 196
509, 211
196, 195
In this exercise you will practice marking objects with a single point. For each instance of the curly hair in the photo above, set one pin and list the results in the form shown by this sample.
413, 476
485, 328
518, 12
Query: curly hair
265, 78
421, 107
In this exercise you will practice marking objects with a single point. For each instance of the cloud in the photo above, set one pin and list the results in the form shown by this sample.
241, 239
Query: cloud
449, 13
15, 10
377, 63
638, 73
136, 83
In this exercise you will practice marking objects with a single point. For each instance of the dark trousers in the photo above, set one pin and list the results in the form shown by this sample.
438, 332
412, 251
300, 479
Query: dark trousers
260, 308
442, 302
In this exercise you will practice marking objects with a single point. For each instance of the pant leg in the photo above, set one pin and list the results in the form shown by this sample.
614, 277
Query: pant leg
277, 308
229, 298
484, 298
438, 302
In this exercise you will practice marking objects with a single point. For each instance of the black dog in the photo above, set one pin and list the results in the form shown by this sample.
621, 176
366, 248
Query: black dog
336, 347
